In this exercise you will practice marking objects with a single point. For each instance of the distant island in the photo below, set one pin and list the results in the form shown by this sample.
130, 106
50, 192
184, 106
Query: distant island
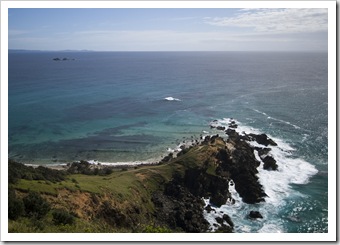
162, 197
62, 59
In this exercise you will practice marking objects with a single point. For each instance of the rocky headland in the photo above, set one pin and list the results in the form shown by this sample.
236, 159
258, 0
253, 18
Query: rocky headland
163, 197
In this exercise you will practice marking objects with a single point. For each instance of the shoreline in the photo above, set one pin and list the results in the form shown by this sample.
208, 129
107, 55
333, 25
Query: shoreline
94, 163
266, 162
189, 142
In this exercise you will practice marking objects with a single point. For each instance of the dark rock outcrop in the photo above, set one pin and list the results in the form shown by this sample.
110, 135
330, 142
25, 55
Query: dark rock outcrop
232, 124
269, 163
202, 184
262, 139
178, 208
180, 205
255, 215
232, 134
208, 208
242, 166
262, 151
228, 220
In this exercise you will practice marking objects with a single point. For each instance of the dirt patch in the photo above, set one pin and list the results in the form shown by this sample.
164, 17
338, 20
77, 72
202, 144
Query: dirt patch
141, 176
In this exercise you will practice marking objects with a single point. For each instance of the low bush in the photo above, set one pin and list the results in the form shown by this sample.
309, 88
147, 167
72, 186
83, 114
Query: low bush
16, 206
156, 229
62, 217
35, 205
18, 171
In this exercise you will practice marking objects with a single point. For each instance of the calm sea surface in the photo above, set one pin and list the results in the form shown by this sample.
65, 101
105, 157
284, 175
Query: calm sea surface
136, 106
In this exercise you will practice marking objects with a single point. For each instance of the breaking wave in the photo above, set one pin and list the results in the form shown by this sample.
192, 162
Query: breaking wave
276, 184
171, 99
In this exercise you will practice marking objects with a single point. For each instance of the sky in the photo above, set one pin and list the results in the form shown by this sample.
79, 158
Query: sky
168, 29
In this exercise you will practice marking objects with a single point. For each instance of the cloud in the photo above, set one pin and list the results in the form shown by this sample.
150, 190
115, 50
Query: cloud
140, 39
290, 20
17, 32
170, 40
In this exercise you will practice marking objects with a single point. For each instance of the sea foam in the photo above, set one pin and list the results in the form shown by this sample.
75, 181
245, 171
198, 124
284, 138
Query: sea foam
171, 99
276, 184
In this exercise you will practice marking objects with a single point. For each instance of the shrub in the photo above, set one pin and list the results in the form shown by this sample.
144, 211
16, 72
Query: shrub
107, 171
156, 229
62, 217
35, 205
18, 171
15, 205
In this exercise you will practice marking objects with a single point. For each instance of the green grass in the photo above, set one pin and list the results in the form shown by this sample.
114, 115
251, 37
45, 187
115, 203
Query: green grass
37, 185
46, 225
121, 183
123, 190
211, 170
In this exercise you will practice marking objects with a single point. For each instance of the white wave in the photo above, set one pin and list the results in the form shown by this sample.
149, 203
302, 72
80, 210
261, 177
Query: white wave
95, 162
276, 119
276, 184
177, 149
171, 99
270, 228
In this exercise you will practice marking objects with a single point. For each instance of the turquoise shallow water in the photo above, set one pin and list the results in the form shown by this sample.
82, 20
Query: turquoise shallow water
133, 106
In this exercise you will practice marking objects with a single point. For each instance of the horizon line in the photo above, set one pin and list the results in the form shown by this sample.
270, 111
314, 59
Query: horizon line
168, 51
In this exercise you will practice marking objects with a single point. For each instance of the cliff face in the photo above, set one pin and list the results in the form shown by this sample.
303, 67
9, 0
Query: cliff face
209, 168
168, 195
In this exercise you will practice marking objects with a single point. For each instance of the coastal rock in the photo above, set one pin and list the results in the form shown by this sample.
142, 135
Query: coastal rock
242, 166
224, 229
167, 158
228, 220
208, 208
255, 215
269, 163
202, 184
220, 128
219, 220
263, 139
180, 209
218, 199
262, 151
232, 124
181, 205
233, 135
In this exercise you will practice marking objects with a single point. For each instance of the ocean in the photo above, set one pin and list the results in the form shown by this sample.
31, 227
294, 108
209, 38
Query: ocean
139, 106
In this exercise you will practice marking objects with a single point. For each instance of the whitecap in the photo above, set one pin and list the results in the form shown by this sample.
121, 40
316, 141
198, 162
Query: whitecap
171, 99
276, 119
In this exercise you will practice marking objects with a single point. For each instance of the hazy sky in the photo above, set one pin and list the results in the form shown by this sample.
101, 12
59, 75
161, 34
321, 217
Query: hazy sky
183, 29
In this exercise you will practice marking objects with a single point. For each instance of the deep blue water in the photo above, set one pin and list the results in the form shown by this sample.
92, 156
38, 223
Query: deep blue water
111, 106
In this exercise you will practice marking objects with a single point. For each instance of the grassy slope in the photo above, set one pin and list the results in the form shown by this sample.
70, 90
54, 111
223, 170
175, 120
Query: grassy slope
125, 191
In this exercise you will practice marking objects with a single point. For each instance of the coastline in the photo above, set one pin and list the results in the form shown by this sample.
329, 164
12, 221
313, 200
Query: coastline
262, 161
173, 149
